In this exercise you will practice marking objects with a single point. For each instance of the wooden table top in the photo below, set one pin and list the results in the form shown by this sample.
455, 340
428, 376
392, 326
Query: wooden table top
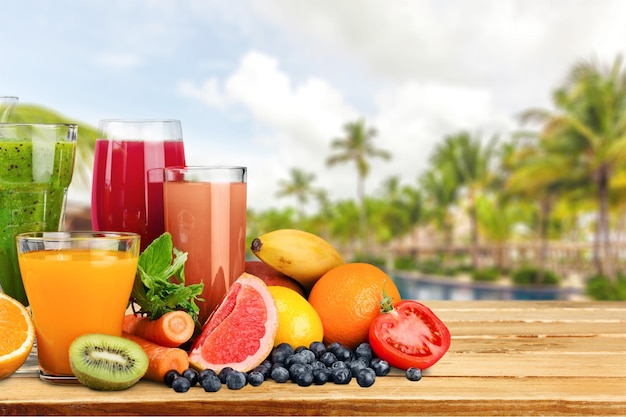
506, 358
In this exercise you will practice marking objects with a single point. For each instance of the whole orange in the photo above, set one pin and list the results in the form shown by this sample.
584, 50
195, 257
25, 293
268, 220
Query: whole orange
347, 299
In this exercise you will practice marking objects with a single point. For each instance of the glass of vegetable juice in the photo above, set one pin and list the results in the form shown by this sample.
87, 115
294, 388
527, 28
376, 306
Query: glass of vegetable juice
36, 165
205, 212
77, 282
123, 197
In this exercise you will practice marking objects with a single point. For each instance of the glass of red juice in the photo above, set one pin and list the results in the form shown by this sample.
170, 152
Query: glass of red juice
123, 197
205, 212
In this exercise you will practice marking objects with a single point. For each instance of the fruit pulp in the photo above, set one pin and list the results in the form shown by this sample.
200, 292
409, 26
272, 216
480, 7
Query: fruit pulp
74, 292
33, 186
208, 221
124, 196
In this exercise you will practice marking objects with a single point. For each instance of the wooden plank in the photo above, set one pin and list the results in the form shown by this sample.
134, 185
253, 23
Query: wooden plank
513, 358
392, 395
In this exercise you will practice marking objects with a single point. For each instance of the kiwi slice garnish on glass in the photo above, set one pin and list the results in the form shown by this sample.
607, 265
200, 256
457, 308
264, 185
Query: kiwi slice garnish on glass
107, 363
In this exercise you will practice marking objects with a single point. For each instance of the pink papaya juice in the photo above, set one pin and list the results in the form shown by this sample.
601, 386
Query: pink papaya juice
208, 221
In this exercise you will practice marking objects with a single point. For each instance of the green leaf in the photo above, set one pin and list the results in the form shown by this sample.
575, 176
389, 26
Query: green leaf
160, 281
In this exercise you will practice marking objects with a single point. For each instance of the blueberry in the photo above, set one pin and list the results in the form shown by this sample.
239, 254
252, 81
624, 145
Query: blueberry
224, 373
343, 354
281, 352
320, 376
192, 375
317, 348
364, 350
181, 384
339, 364
380, 366
298, 369
280, 374
236, 380
255, 378
263, 370
341, 375
356, 365
414, 374
328, 358
211, 383
299, 358
205, 373
306, 355
304, 379
334, 347
366, 377
170, 376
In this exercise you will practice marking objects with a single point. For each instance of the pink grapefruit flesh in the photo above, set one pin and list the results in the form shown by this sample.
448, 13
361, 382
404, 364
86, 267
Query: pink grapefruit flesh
240, 332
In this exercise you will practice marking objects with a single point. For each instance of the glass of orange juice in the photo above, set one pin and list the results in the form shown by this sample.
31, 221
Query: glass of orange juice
205, 212
77, 282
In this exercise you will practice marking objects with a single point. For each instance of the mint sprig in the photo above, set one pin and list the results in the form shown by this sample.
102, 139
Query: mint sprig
159, 284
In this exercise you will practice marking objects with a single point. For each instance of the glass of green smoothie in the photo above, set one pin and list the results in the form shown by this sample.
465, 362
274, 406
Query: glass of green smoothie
36, 165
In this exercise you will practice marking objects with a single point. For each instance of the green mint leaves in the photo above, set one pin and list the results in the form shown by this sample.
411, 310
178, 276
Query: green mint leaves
160, 281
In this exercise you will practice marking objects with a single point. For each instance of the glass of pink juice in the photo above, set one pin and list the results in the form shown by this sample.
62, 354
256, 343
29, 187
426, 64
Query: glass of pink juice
205, 212
123, 198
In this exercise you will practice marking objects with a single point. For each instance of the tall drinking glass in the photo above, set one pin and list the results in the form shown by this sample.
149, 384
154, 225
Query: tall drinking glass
205, 212
36, 166
126, 151
7, 103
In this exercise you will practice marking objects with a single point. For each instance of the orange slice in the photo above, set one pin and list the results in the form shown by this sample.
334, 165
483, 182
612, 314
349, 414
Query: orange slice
17, 335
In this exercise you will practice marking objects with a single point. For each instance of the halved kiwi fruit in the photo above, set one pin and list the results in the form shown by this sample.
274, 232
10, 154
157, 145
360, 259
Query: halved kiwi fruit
107, 363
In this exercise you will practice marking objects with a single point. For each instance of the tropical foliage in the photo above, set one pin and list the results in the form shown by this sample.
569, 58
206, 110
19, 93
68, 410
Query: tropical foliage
560, 178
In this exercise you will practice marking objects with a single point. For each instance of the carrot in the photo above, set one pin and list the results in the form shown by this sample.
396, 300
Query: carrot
161, 359
172, 329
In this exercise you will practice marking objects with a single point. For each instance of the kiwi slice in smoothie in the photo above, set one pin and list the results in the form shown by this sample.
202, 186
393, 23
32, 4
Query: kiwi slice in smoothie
107, 363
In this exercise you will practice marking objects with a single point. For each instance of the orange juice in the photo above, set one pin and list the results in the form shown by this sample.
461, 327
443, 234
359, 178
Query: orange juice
73, 292
208, 221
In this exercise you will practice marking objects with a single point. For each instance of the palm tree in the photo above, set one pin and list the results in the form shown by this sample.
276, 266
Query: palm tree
541, 175
440, 187
357, 146
590, 125
299, 186
470, 160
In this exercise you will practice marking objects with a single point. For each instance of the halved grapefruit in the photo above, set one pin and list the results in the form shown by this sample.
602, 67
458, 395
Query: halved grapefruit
240, 332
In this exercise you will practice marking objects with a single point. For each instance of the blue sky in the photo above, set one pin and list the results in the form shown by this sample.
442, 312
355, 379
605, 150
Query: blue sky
269, 83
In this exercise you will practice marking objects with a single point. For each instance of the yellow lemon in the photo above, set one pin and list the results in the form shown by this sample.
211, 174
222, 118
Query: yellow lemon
298, 322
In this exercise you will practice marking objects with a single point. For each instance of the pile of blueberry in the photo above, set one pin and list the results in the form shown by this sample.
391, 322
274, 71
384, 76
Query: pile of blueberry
316, 364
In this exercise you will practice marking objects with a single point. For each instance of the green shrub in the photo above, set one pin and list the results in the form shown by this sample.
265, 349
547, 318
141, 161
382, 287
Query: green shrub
599, 287
486, 274
371, 259
405, 263
530, 275
430, 266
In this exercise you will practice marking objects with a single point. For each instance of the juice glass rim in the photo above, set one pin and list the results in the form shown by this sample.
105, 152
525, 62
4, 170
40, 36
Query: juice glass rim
25, 124
206, 173
76, 235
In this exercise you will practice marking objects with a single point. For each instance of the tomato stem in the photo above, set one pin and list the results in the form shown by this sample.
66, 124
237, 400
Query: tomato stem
386, 304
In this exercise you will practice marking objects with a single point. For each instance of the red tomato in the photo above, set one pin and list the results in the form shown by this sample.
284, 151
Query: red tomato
409, 335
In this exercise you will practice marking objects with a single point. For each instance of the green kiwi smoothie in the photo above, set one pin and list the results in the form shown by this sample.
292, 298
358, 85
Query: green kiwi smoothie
34, 177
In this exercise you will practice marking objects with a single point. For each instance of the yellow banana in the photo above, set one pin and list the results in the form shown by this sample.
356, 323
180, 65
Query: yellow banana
301, 255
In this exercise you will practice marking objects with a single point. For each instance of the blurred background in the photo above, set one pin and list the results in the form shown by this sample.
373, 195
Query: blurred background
476, 143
